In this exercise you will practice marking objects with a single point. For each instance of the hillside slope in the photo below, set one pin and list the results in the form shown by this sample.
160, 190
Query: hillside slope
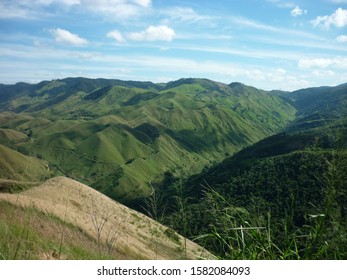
16, 166
113, 227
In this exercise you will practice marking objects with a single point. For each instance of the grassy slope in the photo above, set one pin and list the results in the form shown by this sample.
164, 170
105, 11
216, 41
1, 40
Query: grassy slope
11, 135
14, 165
65, 219
27, 233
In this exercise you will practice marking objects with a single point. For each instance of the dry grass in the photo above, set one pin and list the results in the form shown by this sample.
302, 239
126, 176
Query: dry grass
113, 226
31, 234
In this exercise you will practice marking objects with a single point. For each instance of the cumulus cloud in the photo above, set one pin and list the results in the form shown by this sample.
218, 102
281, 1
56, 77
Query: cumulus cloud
342, 39
153, 33
115, 34
338, 19
337, 62
297, 11
65, 36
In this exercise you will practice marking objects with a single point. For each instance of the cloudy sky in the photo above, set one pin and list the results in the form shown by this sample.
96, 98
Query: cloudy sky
270, 44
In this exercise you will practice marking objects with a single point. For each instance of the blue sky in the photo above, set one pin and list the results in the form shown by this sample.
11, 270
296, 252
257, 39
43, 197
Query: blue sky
270, 44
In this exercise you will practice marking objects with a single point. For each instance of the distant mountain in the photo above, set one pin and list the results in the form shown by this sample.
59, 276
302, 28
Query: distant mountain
122, 137
63, 88
317, 106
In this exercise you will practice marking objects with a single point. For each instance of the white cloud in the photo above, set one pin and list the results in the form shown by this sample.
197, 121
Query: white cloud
281, 71
33, 9
185, 14
59, 2
115, 34
338, 19
323, 73
64, 36
297, 11
242, 21
115, 10
153, 33
246, 22
143, 3
13, 10
337, 62
204, 36
342, 39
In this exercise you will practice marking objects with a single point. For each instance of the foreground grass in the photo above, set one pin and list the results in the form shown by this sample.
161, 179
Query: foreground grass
31, 234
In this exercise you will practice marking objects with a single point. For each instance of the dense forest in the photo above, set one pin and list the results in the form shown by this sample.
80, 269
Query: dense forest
283, 206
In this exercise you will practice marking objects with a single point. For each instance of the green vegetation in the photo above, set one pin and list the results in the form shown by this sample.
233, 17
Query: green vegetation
16, 166
317, 106
248, 174
282, 198
120, 136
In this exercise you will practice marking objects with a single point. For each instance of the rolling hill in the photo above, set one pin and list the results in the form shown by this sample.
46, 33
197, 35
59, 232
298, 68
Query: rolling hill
120, 137
16, 166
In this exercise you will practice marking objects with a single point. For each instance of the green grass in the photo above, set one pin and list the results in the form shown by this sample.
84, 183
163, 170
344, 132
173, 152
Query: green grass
11, 135
16, 166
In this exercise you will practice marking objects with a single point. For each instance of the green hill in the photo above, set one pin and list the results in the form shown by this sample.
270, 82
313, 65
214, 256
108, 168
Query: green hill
16, 166
121, 136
